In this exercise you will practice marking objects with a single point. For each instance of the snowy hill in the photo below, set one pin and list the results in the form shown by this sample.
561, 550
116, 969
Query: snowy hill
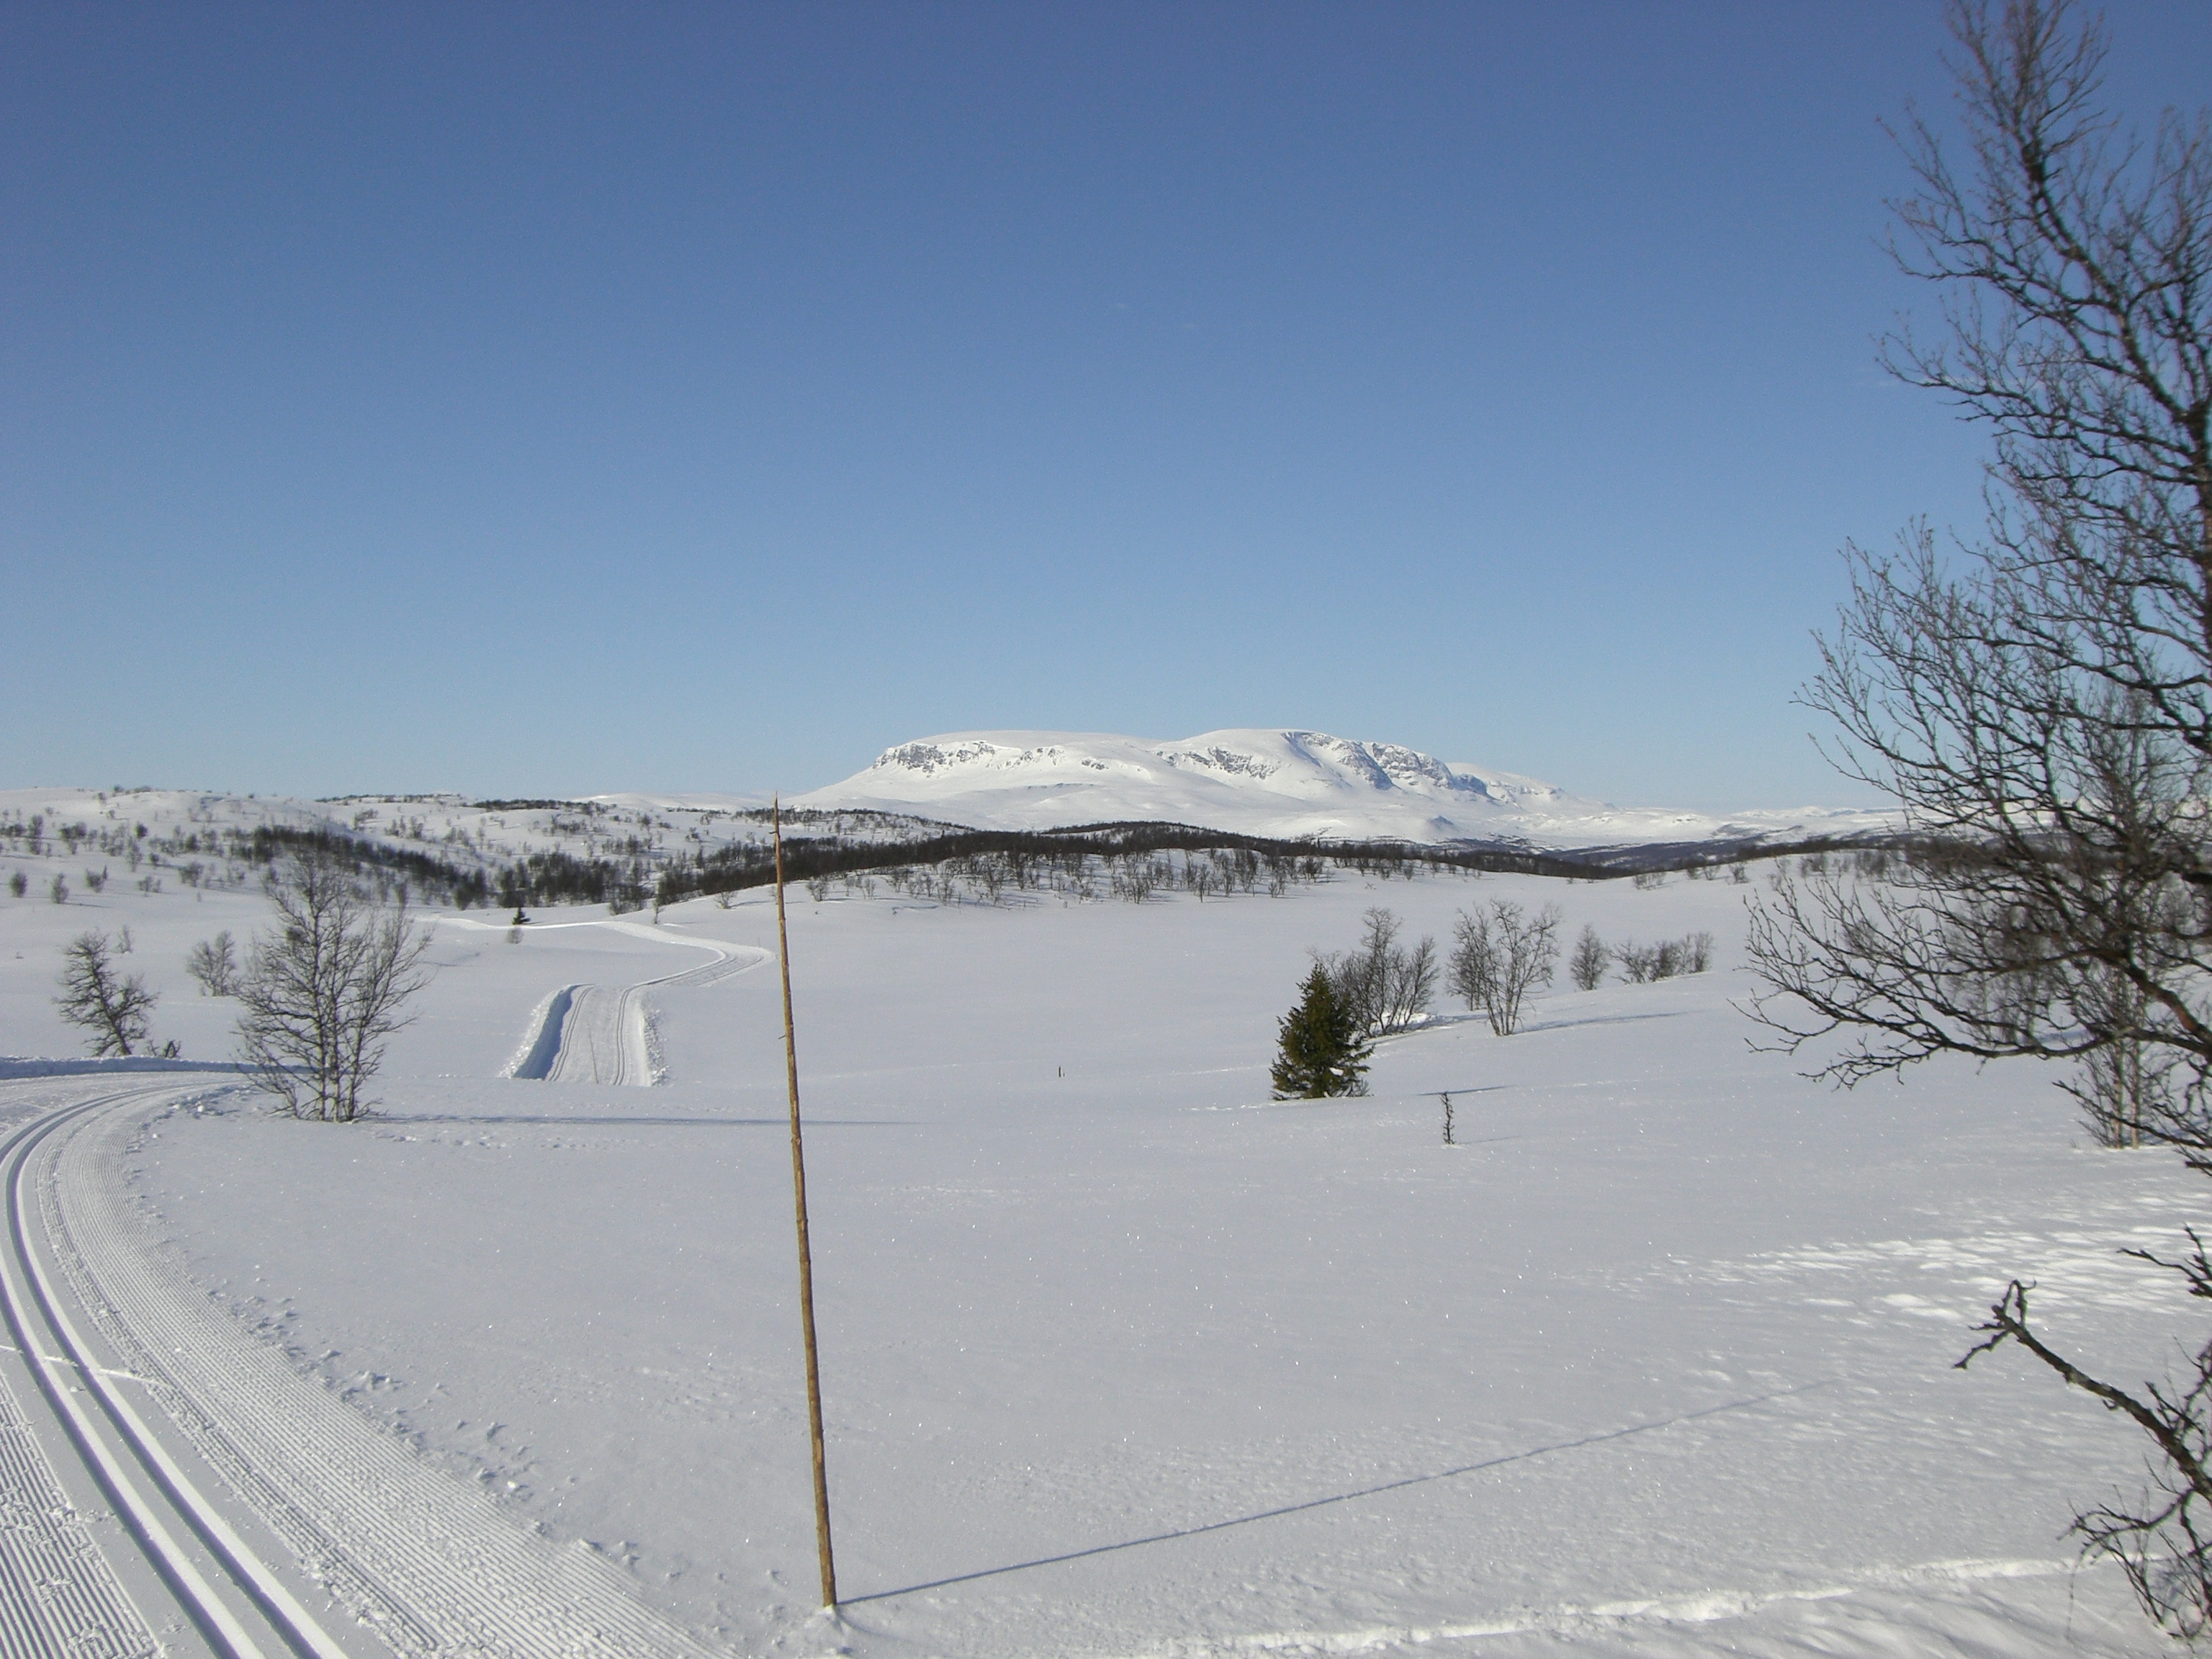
444, 848
1280, 783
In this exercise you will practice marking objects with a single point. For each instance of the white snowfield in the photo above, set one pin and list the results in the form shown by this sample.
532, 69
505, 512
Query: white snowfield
1120, 1358
1285, 784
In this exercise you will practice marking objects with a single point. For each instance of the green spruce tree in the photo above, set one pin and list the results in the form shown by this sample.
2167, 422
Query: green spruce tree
1323, 1052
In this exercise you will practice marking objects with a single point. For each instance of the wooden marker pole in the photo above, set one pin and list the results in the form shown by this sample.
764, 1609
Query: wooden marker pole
805, 1256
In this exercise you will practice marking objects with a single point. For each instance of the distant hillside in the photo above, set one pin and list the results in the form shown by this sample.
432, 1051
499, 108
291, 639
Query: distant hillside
992, 795
439, 849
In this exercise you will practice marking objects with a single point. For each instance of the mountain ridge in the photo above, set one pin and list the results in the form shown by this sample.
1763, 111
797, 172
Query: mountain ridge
1286, 782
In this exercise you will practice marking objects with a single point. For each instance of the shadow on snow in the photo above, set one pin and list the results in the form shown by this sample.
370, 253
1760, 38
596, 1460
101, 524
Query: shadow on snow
1341, 1497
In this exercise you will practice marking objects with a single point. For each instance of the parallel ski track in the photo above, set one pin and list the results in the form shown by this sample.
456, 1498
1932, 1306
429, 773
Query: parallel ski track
76, 1605
425, 1562
602, 1033
602, 1039
57, 1593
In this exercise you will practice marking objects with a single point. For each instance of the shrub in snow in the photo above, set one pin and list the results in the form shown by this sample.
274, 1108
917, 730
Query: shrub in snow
1641, 963
1384, 986
1586, 966
214, 963
1500, 955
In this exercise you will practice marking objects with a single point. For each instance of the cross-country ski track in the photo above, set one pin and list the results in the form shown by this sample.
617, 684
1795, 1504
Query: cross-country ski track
170, 1484
588, 1034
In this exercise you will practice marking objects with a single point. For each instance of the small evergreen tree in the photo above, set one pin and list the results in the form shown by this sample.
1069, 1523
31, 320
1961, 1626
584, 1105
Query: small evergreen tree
1323, 1052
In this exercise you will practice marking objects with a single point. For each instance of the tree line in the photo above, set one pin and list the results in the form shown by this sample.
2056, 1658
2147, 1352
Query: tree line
1501, 951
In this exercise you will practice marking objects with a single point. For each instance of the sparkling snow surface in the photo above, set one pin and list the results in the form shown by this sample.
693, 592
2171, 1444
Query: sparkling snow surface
1121, 1358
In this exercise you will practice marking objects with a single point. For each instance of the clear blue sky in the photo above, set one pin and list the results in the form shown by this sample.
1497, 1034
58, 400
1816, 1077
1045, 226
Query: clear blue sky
553, 398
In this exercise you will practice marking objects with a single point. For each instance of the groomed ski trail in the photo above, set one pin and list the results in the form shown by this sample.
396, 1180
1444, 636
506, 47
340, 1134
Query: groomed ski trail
589, 1034
428, 1564
59, 1594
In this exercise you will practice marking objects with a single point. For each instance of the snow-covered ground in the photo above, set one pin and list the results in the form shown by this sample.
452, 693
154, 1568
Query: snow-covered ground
1287, 784
1119, 1357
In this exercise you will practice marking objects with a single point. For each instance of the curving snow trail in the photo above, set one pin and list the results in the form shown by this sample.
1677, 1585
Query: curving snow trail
277, 1519
169, 1484
592, 1034
59, 1592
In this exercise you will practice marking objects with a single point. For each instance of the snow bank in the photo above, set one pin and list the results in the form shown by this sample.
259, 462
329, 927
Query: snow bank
14, 1066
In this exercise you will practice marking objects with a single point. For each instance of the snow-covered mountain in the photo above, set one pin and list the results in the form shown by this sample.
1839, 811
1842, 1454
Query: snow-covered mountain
1279, 783
1283, 784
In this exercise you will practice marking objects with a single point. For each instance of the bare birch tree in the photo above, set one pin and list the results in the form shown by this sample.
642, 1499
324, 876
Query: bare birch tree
325, 988
1501, 953
2039, 702
1384, 986
214, 963
1590, 959
111, 1006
